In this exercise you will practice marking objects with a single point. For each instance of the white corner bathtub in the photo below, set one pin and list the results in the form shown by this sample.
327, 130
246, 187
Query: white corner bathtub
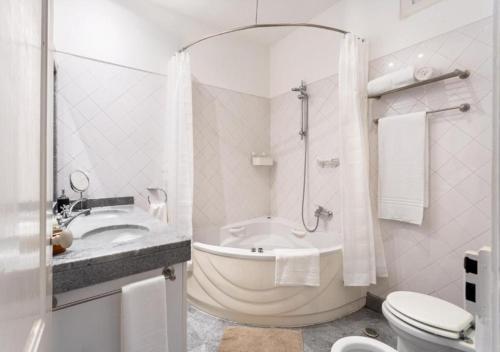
232, 282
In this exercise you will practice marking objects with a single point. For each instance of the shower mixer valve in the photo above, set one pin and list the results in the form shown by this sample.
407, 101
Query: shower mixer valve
320, 211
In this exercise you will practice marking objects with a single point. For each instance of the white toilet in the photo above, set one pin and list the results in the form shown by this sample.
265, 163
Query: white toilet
427, 324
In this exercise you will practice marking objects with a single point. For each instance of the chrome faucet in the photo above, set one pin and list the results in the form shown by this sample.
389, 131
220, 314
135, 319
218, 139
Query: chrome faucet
320, 211
65, 221
67, 215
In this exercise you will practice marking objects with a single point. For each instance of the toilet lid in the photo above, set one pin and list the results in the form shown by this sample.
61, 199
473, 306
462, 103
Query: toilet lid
430, 311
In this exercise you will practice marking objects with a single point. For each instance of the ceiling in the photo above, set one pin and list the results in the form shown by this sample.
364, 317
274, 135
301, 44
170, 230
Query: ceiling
225, 14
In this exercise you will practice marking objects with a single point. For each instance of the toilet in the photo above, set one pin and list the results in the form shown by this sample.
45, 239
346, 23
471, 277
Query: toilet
424, 323
360, 344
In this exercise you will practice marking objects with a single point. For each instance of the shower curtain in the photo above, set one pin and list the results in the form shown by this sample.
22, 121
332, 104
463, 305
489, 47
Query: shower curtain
363, 252
178, 166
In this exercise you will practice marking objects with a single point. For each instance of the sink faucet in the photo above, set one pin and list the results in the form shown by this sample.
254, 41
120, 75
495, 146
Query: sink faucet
67, 215
65, 221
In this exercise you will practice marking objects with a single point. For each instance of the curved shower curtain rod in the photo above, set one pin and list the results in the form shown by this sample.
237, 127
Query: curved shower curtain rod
264, 25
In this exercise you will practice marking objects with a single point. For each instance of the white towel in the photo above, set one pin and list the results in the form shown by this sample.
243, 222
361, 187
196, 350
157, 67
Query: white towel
159, 211
424, 73
403, 157
392, 80
144, 316
297, 267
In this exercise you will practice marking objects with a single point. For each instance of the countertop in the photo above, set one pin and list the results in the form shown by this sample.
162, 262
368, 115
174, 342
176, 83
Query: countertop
146, 244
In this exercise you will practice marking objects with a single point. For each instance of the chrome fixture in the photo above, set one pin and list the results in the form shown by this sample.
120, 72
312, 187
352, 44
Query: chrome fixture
462, 107
79, 182
320, 211
64, 221
154, 190
304, 98
304, 125
264, 25
333, 162
168, 273
462, 74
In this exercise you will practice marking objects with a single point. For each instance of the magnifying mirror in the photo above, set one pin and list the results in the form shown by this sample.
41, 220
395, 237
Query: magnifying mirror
79, 181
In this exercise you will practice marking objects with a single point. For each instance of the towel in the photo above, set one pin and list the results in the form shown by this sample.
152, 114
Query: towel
296, 267
403, 157
144, 316
159, 211
424, 73
391, 81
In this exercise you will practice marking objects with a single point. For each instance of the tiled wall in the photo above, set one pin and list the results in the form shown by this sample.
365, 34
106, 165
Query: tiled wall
110, 123
423, 258
228, 127
429, 258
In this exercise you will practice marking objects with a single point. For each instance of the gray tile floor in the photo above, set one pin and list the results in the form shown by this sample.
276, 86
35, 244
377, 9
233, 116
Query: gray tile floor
205, 331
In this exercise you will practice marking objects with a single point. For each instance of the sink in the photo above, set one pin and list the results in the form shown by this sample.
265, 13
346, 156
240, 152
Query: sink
106, 213
116, 234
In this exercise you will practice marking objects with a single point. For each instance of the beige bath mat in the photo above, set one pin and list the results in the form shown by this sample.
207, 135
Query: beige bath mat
243, 339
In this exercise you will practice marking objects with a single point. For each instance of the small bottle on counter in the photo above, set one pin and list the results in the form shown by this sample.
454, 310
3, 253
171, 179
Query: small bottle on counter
62, 200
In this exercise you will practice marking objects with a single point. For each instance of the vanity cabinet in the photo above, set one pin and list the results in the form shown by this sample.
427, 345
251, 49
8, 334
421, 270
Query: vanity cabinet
95, 326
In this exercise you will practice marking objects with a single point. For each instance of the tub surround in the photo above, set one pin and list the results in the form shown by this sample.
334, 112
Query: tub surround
95, 258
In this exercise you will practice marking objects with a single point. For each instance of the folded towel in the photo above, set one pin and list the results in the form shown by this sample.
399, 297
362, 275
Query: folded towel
403, 167
144, 316
297, 267
424, 73
392, 80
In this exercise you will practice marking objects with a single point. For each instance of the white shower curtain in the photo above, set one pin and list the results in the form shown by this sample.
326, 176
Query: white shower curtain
179, 145
363, 251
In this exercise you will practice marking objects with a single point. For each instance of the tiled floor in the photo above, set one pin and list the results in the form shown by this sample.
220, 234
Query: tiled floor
205, 331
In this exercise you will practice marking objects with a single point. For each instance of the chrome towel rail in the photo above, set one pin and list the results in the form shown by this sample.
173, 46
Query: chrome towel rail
169, 274
154, 189
462, 107
462, 74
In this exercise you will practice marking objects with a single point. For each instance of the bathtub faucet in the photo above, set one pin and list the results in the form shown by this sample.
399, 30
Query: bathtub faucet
320, 211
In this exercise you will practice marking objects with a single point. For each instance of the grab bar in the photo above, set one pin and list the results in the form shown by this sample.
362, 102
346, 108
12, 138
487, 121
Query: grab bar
169, 274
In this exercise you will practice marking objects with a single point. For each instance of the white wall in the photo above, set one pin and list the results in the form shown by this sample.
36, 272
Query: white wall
142, 35
312, 54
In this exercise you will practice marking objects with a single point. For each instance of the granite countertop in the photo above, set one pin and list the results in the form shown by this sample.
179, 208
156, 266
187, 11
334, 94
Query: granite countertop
114, 242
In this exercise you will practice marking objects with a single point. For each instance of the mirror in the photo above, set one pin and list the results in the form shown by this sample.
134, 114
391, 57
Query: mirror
79, 181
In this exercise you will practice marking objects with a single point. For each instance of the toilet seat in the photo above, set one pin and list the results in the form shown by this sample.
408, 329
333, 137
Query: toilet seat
429, 314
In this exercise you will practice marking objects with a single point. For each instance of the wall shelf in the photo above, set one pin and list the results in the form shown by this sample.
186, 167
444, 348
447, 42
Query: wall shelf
462, 74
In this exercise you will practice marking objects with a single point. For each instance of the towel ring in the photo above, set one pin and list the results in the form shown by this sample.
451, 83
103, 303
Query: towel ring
150, 189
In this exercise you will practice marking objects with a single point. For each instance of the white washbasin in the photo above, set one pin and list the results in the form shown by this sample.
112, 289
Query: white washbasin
102, 214
115, 234
360, 344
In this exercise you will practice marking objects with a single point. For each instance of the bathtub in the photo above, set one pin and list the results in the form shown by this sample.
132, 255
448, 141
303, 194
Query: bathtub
231, 281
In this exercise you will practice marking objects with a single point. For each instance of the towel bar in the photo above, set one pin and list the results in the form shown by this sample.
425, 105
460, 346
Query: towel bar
150, 189
169, 274
462, 107
462, 74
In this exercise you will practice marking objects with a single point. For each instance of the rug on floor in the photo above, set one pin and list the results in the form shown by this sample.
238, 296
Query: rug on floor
246, 339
